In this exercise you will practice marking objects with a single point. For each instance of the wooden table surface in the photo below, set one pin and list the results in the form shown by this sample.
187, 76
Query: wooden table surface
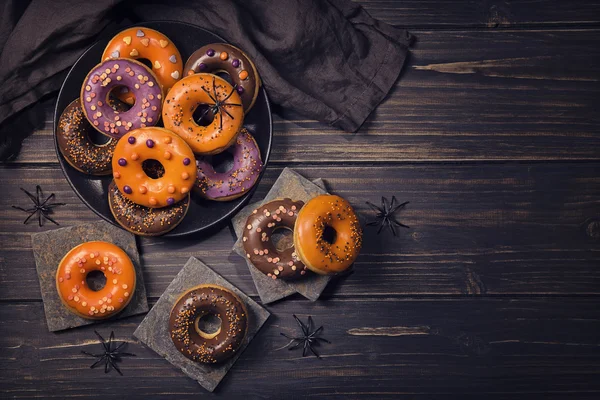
491, 134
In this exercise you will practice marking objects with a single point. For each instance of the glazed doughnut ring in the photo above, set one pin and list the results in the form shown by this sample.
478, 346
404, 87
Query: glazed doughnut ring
73, 138
232, 184
95, 256
200, 346
145, 221
223, 57
222, 100
327, 234
259, 247
144, 43
157, 144
106, 76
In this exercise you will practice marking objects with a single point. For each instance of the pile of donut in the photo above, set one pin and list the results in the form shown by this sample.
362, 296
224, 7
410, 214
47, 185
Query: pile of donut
163, 123
120, 274
327, 237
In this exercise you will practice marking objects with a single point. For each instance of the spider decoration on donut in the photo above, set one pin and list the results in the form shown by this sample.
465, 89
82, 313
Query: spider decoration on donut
219, 104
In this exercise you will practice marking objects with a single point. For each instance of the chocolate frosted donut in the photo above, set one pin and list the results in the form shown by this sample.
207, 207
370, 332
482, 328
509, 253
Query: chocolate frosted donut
259, 247
200, 346
121, 72
229, 185
223, 57
75, 145
145, 221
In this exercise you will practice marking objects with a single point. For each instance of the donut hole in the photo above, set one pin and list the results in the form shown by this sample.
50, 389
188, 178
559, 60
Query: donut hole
208, 325
153, 168
222, 162
95, 280
118, 98
97, 138
329, 234
146, 62
223, 74
202, 115
282, 238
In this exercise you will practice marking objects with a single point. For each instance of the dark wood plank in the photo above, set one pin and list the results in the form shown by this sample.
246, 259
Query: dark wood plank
465, 95
483, 14
475, 229
381, 348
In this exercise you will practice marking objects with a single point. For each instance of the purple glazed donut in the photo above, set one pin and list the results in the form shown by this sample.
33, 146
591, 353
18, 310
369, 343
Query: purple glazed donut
229, 185
121, 72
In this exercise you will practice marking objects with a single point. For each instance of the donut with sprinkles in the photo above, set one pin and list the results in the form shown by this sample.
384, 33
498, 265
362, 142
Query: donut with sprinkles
140, 43
74, 291
74, 143
327, 234
143, 146
108, 75
223, 103
198, 345
223, 57
258, 244
241, 177
145, 221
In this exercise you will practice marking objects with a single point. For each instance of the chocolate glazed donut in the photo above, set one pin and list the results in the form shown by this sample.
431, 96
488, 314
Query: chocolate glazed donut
200, 346
223, 57
259, 247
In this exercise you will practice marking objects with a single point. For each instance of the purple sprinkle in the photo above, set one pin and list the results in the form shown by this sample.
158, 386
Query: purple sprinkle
127, 189
202, 66
150, 143
122, 162
235, 63
131, 139
186, 161
170, 201
240, 89
210, 52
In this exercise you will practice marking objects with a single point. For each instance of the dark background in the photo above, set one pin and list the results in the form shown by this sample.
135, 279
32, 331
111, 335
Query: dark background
491, 134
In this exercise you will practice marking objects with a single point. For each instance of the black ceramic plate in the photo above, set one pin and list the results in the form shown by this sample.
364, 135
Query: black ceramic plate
92, 190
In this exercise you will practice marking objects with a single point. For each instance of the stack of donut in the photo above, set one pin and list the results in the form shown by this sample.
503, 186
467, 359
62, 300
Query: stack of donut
326, 232
163, 122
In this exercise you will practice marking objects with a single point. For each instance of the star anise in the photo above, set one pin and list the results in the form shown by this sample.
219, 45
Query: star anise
111, 356
385, 214
308, 339
41, 208
219, 104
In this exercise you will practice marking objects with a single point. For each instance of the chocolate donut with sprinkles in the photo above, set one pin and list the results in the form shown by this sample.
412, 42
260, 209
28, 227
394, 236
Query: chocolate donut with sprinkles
145, 221
223, 57
260, 249
327, 234
82, 300
198, 345
241, 177
74, 143
136, 150
108, 75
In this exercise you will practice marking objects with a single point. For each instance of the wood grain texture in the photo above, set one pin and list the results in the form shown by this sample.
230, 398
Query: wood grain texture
531, 96
475, 229
531, 346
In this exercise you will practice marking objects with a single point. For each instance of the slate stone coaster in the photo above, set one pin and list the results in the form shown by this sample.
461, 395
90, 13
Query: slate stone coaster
154, 329
51, 246
293, 185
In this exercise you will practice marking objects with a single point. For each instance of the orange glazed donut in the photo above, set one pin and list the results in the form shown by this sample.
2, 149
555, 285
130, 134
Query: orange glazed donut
327, 234
95, 256
222, 100
158, 144
143, 43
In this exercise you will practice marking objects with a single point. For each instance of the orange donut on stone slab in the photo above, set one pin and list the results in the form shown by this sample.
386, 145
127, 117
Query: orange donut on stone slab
153, 145
110, 260
221, 100
142, 43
